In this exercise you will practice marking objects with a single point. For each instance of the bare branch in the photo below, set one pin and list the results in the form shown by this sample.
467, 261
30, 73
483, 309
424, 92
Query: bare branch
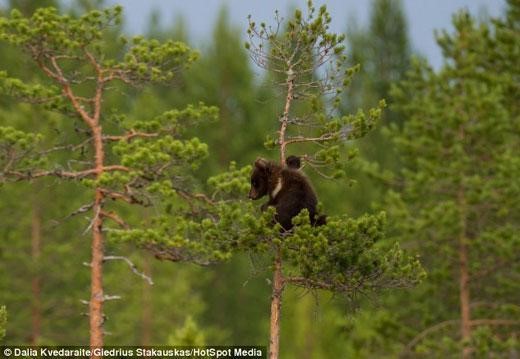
113, 216
308, 283
132, 267
67, 147
174, 254
111, 297
130, 135
82, 209
64, 174
325, 137
125, 197
93, 220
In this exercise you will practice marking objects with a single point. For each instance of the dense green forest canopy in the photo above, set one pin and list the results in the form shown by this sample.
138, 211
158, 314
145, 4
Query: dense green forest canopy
186, 258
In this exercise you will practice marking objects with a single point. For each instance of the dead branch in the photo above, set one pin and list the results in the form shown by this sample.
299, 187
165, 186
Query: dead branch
130, 135
67, 147
308, 283
174, 254
131, 265
85, 208
111, 297
125, 197
114, 217
326, 137
64, 174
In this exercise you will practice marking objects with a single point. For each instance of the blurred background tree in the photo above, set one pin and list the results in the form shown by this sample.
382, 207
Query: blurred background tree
382, 51
457, 196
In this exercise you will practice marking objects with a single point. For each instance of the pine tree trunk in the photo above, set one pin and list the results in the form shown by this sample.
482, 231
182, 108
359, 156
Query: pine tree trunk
276, 307
276, 299
36, 231
96, 287
464, 293
147, 311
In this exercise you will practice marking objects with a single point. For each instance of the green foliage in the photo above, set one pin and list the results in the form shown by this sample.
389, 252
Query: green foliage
151, 159
145, 160
382, 50
31, 92
234, 182
303, 52
344, 255
188, 219
17, 150
189, 334
457, 146
47, 32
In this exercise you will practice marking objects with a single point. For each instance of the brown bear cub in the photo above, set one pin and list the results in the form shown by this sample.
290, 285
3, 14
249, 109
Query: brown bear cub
288, 189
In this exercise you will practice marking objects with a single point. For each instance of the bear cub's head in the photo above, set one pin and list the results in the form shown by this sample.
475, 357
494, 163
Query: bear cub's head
262, 170
266, 175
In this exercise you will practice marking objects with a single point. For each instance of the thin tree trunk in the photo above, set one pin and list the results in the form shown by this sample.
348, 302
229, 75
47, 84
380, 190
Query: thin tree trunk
464, 292
278, 282
36, 231
285, 118
147, 312
276, 307
96, 287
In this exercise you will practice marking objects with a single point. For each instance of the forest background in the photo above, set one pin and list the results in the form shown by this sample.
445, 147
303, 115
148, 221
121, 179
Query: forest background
43, 280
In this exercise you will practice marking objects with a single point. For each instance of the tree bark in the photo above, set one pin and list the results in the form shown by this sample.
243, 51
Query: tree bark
96, 286
36, 231
285, 117
147, 311
464, 291
276, 307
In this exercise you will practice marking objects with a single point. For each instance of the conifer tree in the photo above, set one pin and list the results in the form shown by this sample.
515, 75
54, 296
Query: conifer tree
124, 162
459, 195
382, 51
346, 255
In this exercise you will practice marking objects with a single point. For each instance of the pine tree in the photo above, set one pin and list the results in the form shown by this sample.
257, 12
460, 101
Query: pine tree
459, 202
344, 256
28, 263
382, 51
121, 160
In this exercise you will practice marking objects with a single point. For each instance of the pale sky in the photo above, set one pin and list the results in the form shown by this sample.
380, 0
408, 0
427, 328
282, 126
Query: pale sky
423, 15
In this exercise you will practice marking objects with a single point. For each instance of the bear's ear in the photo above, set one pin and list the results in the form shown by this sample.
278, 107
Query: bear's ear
261, 163
293, 162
